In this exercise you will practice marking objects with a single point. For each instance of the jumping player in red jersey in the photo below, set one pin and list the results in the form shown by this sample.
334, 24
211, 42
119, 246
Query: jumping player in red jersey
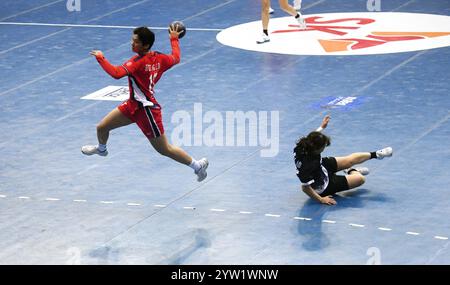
143, 71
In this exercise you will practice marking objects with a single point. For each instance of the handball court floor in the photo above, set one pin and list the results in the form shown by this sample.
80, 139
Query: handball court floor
137, 207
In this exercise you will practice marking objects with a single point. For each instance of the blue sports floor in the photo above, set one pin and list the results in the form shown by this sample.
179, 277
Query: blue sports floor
137, 207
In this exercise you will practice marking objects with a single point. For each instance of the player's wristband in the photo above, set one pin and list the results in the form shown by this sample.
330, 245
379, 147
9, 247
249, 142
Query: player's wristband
319, 129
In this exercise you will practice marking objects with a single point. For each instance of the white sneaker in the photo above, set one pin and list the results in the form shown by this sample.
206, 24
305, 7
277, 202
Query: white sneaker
201, 173
297, 4
385, 152
93, 149
271, 10
263, 39
301, 21
363, 170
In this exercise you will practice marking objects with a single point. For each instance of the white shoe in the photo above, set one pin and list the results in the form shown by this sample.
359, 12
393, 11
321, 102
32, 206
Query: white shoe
297, 4
271, 10
201, 173
385, 152
301, 21
363, 170
93, 149
263, 39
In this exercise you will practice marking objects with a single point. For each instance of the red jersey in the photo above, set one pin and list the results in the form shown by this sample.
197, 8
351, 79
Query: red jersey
144, 72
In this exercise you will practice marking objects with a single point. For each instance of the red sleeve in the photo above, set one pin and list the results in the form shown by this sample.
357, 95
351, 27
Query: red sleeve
115, 71
169, 60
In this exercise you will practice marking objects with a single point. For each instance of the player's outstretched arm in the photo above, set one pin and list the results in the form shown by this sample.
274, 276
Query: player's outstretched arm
324, 124
173, 35
115, 71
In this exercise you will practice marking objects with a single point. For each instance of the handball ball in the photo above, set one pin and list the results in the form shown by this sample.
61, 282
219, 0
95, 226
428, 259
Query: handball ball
179, 27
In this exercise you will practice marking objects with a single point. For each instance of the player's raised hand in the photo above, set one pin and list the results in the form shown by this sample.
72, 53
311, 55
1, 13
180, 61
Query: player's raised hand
96, 53
173, 32
325, 121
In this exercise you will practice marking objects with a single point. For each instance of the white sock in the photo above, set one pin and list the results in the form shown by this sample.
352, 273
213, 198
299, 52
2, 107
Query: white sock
101, 147
195, 165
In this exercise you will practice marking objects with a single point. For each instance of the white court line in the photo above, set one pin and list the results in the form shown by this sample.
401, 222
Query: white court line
401, 6
384, 229
91, 20
189, 208
441, 237
32, 41
356, 225
23, 197
30, 10
208, 10
2, 196
160, 206
302, 219
328, 221
245, 212
412, 233
107, 202
134, 204
387, 73
52, 199
217, 210
98, 26
272, 215
80, 201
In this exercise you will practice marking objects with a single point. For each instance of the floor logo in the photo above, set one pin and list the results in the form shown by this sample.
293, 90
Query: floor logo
344, 34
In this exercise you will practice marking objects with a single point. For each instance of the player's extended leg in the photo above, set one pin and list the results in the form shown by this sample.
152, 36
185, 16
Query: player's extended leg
284, 5
265, 10
161, 145
355, 176
349, 161
113, 120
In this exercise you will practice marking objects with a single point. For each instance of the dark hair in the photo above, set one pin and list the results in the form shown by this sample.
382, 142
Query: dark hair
145, 35
311, 143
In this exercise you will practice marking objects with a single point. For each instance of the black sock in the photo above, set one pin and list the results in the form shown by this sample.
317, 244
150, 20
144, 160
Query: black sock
297, 16
373, 154
266, 32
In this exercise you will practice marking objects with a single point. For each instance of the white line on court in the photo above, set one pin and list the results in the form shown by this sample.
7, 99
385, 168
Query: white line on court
245, 212
328, 221
107, 202
412, 233
217, 210
356, 225
31, 10
272, 215
384, 229
302, 219
441, 237
80, 201
97, 26
52, 199
23, 197
134, 204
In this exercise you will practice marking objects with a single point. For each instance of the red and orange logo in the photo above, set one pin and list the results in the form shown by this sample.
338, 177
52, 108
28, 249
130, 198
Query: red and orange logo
340, 27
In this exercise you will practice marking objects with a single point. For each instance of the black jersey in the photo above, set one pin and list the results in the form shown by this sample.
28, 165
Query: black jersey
311, 171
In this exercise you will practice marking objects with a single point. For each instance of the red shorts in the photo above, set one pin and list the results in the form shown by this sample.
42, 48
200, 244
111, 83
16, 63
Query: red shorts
148, 119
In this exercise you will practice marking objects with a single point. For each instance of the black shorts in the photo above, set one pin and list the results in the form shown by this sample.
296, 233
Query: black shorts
337, 183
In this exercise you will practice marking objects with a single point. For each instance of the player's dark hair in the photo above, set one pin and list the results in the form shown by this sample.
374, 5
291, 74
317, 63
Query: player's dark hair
145, 35
310, 144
